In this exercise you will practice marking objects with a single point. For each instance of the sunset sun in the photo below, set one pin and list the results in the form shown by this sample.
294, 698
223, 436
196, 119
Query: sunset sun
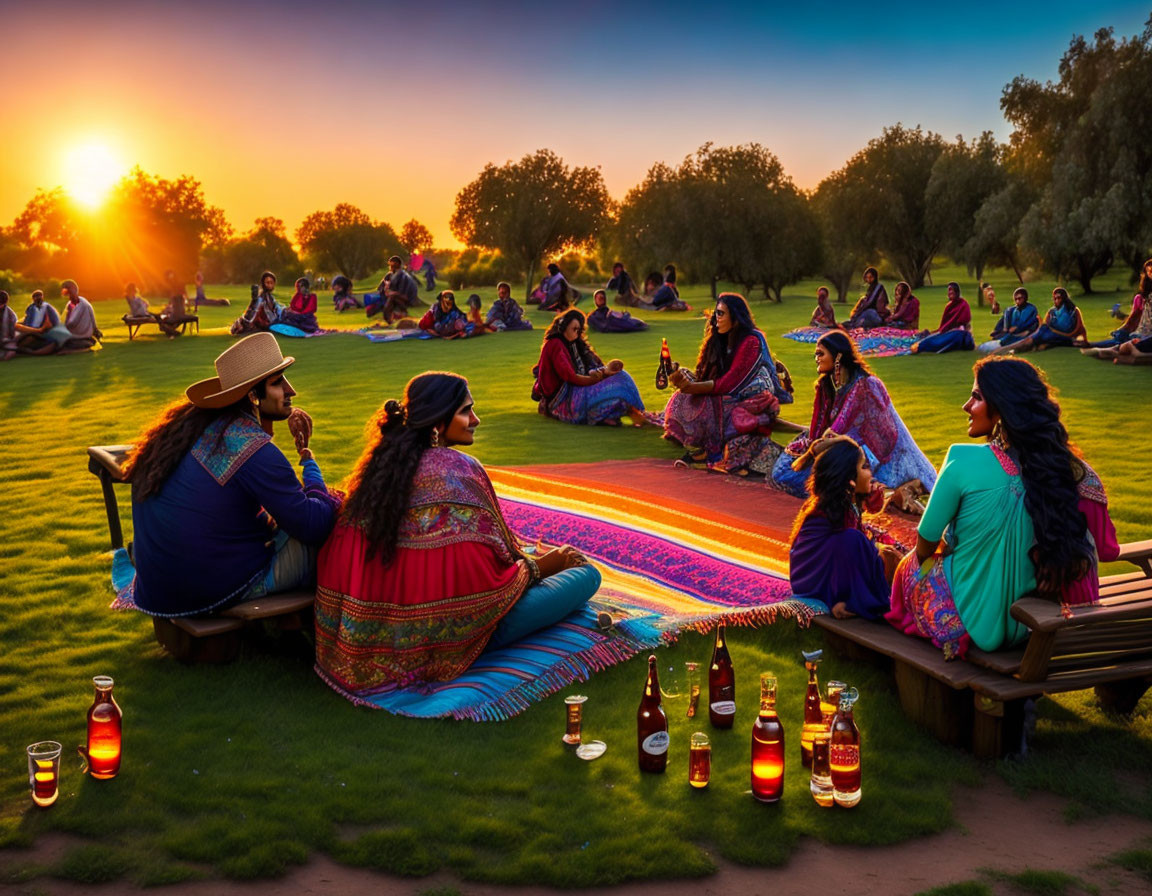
90, 169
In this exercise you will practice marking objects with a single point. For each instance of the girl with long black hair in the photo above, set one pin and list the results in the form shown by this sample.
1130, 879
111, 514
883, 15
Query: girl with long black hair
1012, 516
421, 573
723, 411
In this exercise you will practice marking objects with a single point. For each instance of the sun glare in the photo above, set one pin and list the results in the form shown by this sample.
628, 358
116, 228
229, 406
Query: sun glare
90, 170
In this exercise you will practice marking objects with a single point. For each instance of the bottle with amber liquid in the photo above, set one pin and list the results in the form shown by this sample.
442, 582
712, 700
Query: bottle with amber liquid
844, 752
665, 369
813, 717
721, 684
768, 745
104, 730
651, 725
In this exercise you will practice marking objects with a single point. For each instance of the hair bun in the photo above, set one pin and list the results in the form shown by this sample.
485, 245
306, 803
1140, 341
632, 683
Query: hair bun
394, 415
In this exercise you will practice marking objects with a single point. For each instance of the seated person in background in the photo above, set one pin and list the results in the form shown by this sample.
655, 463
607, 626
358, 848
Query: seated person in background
40, 333
663, 296
906, 314
202, 299
670, 278
989, 294
401, 292
1063, 326
955, 331
175, 313
824, 315
444, 318
342, 297
476, 325
79, 318
872, 308
301, 311
1131, 352
1137, 325
7, 329
1018, 321
137, 305
558, 293
505, 313
831, 558
209, 485
422, 574
575, 386
263, 309
604, 320
625, 287
1005, 519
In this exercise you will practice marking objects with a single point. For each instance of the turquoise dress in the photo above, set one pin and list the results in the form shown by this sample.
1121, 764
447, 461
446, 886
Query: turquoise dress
965, 595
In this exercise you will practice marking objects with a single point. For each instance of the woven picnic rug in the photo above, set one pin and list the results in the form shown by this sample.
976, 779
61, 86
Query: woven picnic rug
881, 342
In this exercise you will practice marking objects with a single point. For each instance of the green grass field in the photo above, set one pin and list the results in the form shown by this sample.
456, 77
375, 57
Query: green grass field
242, 771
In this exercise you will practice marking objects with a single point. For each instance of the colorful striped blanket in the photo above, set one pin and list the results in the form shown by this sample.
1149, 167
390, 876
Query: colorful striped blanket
881, 342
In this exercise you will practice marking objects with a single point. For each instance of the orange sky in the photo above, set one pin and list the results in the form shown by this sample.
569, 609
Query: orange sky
284, 108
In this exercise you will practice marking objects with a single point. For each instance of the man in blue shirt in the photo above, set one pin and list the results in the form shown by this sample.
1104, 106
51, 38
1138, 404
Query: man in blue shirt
218, 514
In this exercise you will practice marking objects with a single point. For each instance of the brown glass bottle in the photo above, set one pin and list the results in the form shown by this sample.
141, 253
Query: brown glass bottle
665, 369
844, 752
768, 746
104, 731
813, 718
721, 684
651, 725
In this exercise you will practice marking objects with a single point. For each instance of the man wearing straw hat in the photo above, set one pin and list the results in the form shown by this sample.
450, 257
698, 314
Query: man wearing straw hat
219, 516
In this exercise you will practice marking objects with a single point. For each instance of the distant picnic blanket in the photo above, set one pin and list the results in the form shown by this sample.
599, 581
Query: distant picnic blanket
880, 342
296, 333
379, 334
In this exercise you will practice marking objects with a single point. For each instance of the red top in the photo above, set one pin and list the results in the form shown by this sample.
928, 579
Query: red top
743, 363
303, 304
428, 321
555, 366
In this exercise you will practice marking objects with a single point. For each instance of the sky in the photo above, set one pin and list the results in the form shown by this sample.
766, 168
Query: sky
285, 108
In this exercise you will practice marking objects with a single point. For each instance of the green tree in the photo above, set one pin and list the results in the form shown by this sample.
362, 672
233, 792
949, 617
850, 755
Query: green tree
843, 253
265, 247
890, 179
347, 240
415, 237
532, 209
1081, 144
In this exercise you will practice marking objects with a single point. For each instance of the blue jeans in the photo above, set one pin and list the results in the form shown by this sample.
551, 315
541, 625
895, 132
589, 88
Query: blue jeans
546, 603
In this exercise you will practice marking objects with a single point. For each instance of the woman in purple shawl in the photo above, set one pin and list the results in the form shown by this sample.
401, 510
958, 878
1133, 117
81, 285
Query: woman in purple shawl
955, 332
605, 320
831, 558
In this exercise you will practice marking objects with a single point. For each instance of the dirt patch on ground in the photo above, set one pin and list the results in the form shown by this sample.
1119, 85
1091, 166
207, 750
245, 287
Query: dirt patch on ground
996, 830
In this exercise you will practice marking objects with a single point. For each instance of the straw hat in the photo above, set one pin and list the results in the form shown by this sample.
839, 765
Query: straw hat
251, 360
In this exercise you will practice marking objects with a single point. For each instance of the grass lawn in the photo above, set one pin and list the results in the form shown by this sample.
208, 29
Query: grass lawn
244, 770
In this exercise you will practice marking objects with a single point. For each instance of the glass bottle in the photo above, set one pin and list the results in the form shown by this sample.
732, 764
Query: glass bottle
813, 718
821, 781
651, 725
105, 722
665, 368
692, 673
844, 753
768, 745
721, 684
828, 707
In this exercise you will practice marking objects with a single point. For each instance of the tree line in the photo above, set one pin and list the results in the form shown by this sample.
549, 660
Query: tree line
1069, 194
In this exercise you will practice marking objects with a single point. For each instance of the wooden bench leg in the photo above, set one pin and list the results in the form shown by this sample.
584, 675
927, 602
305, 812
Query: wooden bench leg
997, 727
944, 711
1122, 696
222, 648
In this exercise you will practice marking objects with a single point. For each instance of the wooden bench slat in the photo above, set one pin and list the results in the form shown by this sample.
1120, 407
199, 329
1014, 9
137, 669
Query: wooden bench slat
1139, 588
916, 652
207, 626
1006, 662
111, 458
272, 605
999, 688
1098, 659
1136, 550
1045, 616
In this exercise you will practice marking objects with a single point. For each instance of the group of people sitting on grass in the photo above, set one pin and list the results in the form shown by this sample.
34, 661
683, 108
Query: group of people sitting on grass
43, 330
264, 311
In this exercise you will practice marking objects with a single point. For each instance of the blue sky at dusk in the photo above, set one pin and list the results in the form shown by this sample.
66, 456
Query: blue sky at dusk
288, 107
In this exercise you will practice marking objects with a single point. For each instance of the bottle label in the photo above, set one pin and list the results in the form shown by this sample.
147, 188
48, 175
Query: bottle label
724, 707
845, 755
655, 744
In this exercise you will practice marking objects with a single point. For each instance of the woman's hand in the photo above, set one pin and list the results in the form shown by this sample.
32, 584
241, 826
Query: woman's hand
679, 378
559, 559
614, 366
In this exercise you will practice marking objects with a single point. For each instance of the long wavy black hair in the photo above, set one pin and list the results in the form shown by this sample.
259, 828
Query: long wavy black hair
1049, 468
398, 435
717, 349
851, 363
580, 349
1065, 299
1145, 280
831, 492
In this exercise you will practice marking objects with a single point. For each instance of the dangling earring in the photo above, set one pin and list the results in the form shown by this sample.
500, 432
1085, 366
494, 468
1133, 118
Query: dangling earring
435, 442
836, 371
999, 439
256, 411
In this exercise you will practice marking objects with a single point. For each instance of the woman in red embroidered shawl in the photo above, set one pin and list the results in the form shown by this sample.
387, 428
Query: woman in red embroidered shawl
421, 572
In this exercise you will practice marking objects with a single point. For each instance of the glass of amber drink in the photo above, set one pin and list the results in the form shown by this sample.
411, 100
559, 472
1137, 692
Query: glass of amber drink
699, 760
575, 706
44, 772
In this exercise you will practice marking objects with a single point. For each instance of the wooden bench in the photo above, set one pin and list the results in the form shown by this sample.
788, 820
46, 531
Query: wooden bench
979, 703
200, 639
135, 322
